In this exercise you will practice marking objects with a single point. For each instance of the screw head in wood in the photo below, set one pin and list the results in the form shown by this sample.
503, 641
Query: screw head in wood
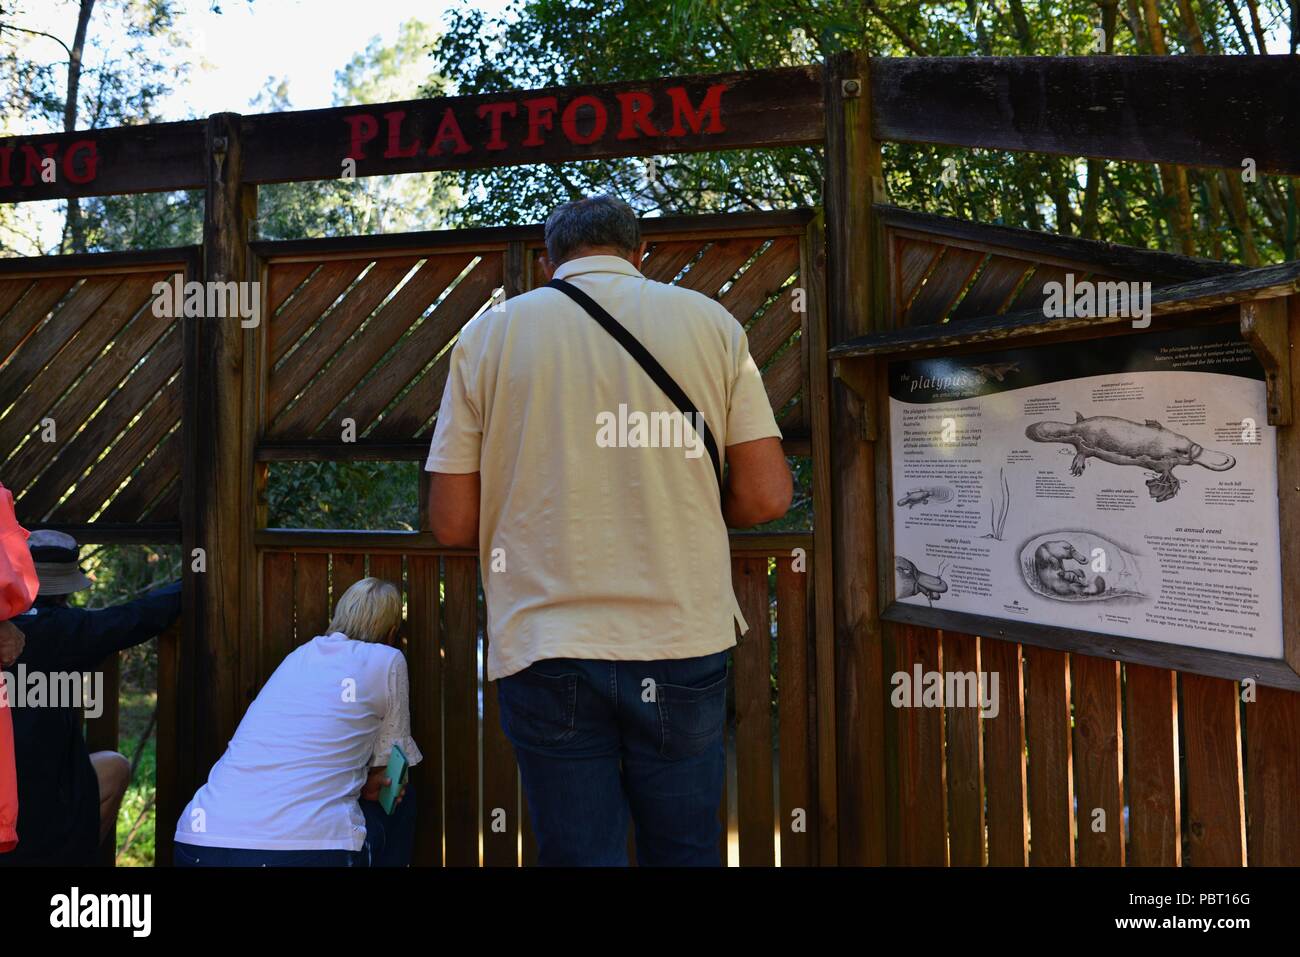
850, 87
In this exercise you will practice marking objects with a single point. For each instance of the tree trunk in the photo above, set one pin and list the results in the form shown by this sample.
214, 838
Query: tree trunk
1173, 179
74, 229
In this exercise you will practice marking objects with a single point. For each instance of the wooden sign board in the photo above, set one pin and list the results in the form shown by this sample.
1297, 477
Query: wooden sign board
1116, 486
764, 108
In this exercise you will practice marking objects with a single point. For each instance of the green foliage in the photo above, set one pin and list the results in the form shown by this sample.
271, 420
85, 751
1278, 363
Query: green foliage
363, 495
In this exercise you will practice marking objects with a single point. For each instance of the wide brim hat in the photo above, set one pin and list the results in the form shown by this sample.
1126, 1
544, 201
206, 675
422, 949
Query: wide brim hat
55, 555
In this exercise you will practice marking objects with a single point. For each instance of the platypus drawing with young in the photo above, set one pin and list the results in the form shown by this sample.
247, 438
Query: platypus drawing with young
1147, 445
1049, 567
913, 581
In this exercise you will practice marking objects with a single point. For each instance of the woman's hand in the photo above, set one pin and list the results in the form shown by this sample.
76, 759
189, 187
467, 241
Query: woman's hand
376, 780
12, 642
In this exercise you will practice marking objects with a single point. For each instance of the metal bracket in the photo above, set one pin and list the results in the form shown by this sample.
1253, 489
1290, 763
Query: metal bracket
858, 375
851, 87
1264, 326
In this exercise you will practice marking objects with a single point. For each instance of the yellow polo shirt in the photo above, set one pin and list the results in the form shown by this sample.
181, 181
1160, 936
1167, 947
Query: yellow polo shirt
599, 538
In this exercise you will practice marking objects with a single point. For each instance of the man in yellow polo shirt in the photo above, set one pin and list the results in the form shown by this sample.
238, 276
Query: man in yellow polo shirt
587, 478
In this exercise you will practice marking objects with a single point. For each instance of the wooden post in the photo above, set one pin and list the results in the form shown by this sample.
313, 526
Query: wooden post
854, 179
216, 512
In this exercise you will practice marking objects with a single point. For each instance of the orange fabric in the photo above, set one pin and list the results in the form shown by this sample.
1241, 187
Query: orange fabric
18, 582
18, 586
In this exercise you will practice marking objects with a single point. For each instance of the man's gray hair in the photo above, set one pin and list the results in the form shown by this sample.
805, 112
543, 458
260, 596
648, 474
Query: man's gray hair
594, 221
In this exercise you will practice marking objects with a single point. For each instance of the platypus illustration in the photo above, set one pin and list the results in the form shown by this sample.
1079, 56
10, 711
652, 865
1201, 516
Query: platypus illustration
1147, 445
1049, 566
913, 581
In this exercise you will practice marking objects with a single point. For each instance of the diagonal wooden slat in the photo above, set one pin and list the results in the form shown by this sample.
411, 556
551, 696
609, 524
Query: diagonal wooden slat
23, 318
1031, 295
783, 378
11, 290
914, 260
77, 453
47, 394
282, 280
44, 345
462, 303
943, 286
665, 260
992, 290
763, 279
134, 446
719, 263
328, 336
360, 359
773, 329
159, 472
328, 283
168, 506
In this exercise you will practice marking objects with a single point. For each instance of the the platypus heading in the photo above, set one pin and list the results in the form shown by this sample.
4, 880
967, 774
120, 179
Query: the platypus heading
1147, 445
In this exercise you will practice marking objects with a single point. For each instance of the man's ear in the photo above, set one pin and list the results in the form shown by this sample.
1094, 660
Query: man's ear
637, 255
547, 268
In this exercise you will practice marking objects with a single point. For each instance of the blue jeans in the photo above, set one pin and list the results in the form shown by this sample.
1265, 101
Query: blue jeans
599, 741
389, 843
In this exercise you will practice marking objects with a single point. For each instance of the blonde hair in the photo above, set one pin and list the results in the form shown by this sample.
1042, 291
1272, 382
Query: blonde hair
368, 611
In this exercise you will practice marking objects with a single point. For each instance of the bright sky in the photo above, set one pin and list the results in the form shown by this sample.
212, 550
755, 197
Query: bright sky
305, 41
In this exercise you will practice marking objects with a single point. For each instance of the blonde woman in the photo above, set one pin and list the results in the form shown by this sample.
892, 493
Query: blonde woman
297, 787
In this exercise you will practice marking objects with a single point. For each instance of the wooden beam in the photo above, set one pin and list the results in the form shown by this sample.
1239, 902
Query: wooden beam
1130, 262
1201, 295
759, 108
1264, 326
1213, 111
217, 465
854, 180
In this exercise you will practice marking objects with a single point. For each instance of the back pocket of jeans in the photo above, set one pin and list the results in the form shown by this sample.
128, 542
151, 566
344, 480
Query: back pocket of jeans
538, 710
691, 718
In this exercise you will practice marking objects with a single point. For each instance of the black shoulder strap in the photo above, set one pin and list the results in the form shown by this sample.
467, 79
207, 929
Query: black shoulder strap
647, 362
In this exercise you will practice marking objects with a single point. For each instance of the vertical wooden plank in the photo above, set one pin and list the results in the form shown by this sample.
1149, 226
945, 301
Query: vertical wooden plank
277, 614
310, 596
855, 305
500, 783
388, 568
1051, 767
102, 735
1288, 493
425, 667
347, 570
922, 787
1004, 757
797, 807
961, 653
217, 461
812, 267
1216, 822
461, 710
752, 658
1098, 760
1151, 767
167, 781
1273, 777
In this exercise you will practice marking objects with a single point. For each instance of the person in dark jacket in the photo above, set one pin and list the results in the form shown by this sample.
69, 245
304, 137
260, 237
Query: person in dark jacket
68, 798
